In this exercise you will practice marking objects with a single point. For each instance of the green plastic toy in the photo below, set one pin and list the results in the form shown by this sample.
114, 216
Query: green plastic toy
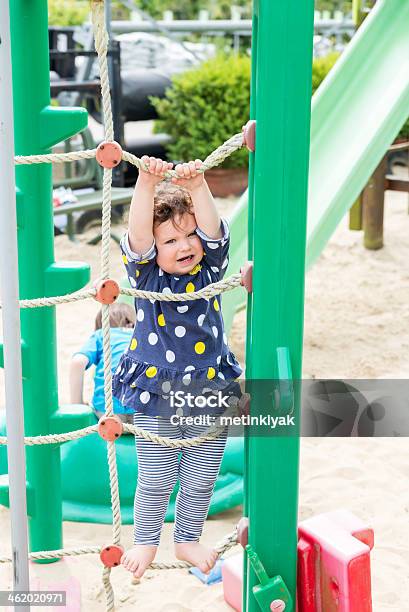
271, 594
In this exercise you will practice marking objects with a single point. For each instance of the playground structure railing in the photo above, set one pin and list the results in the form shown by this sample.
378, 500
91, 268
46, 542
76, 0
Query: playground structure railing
339, 22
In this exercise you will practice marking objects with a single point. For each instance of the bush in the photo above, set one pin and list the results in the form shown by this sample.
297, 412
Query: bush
207, 105
204, 107
404, 133
333, 5
321, 67
190, 10
76, 12
180, 8
68, 12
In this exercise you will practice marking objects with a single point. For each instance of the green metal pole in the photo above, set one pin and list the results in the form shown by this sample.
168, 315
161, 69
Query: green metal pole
281, 74
246, 466
38, 126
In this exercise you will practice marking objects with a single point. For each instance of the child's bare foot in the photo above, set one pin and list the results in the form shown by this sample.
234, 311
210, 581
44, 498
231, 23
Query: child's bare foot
138, 558
196, 554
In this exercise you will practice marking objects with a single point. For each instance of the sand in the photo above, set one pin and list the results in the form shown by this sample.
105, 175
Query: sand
357, 326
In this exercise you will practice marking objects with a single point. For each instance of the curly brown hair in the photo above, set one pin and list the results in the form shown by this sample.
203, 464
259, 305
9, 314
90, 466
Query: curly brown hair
171, 202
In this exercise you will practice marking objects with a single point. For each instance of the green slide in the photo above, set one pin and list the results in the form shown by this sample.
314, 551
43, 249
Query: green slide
356, 114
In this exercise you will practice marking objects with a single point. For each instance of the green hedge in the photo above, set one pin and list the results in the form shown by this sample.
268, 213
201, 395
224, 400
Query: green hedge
320, 68
68, 12
207, 105
75, 12
204, 107
404, 133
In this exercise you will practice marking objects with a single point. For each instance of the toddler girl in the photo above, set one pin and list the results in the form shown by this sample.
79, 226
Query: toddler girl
176, 243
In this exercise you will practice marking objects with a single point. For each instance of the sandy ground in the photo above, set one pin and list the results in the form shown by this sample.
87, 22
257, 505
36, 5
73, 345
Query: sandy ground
356, 325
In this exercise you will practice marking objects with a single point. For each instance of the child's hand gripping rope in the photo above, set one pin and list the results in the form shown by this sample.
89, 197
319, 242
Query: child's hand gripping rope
189, 175
156, 170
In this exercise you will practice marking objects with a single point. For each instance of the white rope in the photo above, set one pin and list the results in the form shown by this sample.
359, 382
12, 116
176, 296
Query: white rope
212, 432
55, 438
214, 159
55, 158
84, 294
101, 47
207, 292
223, 546
227, 284
58, 554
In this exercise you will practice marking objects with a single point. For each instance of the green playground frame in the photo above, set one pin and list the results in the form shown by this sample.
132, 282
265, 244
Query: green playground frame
275, 222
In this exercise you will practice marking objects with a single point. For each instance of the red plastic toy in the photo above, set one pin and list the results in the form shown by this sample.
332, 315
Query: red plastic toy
334, 572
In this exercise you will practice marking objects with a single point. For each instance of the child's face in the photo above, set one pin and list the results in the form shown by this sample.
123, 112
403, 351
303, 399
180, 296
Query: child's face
178, 247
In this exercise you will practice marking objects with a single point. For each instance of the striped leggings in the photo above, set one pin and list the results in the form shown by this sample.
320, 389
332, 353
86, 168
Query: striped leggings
159, 468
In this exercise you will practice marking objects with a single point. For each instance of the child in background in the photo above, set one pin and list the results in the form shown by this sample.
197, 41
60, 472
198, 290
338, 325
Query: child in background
122, 320
176, 243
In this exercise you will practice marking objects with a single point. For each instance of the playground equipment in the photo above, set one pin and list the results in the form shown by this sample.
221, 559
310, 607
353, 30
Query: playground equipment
274, 341
355, 115
54, 420
334, 563
333, 568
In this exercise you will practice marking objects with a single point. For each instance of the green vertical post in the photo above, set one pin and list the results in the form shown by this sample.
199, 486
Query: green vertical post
281, 97
38, 126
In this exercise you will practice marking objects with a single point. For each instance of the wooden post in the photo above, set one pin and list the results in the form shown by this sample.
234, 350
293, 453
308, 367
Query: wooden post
372, 208
355, 214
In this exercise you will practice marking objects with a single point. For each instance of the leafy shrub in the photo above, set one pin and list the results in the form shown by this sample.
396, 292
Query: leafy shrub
68, 12
404, 133
183, 9
180, 8
75, 12
221, 9
333, 5
207, 105
321, 67
204, 107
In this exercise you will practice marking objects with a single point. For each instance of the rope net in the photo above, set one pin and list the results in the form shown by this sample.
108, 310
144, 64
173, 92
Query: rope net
215, 158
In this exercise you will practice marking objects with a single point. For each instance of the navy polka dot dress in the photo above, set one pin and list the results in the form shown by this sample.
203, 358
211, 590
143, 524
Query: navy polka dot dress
176, 346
